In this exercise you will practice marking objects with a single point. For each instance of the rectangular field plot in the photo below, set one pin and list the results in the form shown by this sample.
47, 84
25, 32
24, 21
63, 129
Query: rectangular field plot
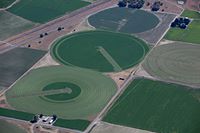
191, 14
72, 124
11, 25
157, 106
16, 62
191, 34
45, 10
16, 114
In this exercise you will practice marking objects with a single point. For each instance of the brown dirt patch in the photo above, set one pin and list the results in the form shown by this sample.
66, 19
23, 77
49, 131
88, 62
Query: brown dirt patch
123, 74
167, 7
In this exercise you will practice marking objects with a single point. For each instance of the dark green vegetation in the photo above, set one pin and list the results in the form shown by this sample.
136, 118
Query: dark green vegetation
6, 3
16, 62
11, 25
177, 62
45, 10
124, 20
96, 91
16, 114
157, 106
72, 124
6, 127
72, 92
191, 34
100, 50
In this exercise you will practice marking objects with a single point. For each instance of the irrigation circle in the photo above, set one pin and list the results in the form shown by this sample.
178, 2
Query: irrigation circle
124, 20
71, 93
99, 50
178, 62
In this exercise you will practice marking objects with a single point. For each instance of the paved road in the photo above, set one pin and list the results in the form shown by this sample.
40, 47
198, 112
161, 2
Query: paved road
67, 21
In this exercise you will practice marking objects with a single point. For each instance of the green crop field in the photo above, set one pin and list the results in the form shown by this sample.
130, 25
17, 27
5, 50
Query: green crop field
16, 114
62, 95
35, 88
126, 20
6, 127
11, 25
177, 62
72, 124
6, 3
99, 50
45, 10
191, 14
16, 62
191, 34
157, 106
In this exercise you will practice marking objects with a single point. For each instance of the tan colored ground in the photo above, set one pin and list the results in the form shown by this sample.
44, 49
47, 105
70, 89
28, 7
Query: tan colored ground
34, 128
3, 103
69, 22
84, 26
123, 74
190, 4
142, 73
47, 60
22, 124
167, 7
104, 127
163, 42
193, 5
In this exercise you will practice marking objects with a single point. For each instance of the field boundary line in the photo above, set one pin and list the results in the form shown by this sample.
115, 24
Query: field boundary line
9, 6
114, 106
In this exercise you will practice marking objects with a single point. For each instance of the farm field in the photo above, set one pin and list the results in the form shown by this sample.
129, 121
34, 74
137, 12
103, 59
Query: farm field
104, 127
178, 62
16, 114
16, 62
96, 91
127, 20
157, 106
99, 50
191, 14
72, 124
43, 11
7, 127
191, 34
11, 25
6, 3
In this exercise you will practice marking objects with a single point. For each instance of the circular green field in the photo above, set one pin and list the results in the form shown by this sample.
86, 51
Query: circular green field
61, 91
99, 50
69, 92
178, 62
124, 20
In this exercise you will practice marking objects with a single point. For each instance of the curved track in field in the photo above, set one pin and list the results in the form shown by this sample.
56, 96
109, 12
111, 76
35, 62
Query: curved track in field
178, 62
100, 50
96, 91
124, 20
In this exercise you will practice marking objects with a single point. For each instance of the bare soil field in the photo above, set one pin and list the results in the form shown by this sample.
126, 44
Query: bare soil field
167, 7
190, 4
153, 36
16, 62
104, 127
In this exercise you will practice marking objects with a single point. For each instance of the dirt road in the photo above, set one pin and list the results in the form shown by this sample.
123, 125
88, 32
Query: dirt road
68, 21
